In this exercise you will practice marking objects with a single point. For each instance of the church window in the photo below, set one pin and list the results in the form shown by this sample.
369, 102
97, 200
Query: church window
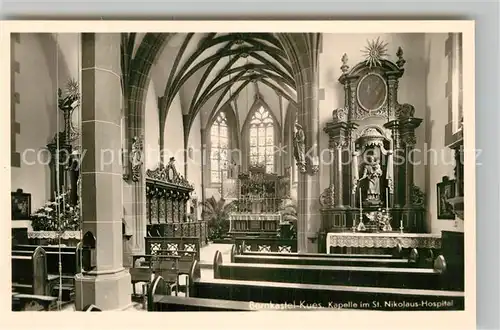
261, 132
219, 147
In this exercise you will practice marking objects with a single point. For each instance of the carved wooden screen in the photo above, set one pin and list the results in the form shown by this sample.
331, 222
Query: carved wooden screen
167, 195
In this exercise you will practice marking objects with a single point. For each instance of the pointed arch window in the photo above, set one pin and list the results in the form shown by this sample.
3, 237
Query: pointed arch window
261, 132
219, 143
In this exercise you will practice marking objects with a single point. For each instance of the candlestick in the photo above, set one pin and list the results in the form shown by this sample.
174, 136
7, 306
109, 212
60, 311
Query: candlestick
401, 225
353, 223
360, 202
387, 200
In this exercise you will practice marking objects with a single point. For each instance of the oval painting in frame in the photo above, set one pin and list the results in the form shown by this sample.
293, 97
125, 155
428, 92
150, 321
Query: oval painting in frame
372, 92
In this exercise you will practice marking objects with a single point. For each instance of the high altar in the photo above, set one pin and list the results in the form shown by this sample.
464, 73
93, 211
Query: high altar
371, 140
260, 198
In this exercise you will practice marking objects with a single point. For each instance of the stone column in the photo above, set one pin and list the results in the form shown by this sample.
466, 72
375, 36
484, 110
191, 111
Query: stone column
308, 184
338, 146
408, 126
303, 50
398, 167
107, 285
409, 145
333, 169
352, 172
338, 132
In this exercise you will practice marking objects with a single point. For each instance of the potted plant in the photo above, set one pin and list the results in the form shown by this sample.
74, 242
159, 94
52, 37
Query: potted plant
57, 218
379, 220
216, 213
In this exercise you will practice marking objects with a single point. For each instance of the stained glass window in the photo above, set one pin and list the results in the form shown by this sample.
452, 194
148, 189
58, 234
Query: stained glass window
219, 144
262, 140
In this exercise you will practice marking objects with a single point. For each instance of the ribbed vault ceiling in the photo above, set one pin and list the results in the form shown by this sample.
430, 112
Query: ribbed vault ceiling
209, 71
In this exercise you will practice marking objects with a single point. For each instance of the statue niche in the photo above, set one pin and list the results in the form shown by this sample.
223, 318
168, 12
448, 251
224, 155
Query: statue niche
372, 153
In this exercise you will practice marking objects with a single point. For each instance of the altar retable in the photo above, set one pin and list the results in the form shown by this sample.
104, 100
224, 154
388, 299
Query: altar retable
366, 136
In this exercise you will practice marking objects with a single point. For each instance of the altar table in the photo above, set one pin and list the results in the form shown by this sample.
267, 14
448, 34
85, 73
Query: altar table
68, 238
383, 240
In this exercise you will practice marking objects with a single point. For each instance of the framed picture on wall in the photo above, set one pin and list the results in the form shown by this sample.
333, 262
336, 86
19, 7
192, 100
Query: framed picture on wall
445, 191
21, 205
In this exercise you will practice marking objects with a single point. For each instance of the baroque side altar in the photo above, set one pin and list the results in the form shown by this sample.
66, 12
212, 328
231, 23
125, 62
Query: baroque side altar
371, 142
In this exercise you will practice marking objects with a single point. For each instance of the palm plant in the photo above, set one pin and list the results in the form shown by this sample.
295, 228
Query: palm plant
216, 213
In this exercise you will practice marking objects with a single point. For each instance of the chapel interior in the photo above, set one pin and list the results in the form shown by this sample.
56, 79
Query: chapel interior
201, 171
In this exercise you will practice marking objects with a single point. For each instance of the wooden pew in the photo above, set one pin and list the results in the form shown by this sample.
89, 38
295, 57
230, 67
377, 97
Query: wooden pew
421, 257
321, 261
163, 302
71, 259
169, 266
415, 278
141, 271
29, 271
30, 281
311, 296
184, 263
364, 260
31, 302
183, 260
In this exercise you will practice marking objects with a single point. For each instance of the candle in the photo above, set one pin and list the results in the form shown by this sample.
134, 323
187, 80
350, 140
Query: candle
360, 202
387, 199
401, 224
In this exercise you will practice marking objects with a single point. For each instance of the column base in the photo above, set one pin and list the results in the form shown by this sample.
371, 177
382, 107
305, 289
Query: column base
106, 291
312, 242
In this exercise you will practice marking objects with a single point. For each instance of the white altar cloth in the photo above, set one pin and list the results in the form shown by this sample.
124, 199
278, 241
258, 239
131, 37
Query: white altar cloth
383, 240
54, 234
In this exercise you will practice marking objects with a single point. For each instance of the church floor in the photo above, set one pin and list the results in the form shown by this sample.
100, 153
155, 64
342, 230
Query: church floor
207, 254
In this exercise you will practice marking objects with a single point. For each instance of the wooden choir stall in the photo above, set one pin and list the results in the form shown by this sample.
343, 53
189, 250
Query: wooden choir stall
170, 226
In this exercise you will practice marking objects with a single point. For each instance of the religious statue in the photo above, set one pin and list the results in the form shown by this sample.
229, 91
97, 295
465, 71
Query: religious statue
371, 173
136, 158
299, 147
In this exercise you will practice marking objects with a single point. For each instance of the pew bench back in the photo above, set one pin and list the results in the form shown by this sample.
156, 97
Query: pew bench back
29, 272
415, 278
302, 260
71, 257
286, 295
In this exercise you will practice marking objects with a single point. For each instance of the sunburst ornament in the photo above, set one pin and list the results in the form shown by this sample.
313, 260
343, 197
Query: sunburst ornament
72, 88
374, 52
